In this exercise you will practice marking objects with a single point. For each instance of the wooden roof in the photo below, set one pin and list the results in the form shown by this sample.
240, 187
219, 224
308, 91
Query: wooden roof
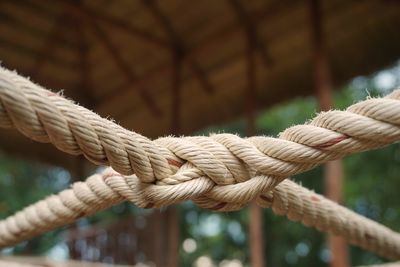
124, 59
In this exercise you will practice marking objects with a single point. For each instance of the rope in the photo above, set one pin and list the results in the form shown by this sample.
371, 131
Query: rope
220, 172
213, 171
289, 199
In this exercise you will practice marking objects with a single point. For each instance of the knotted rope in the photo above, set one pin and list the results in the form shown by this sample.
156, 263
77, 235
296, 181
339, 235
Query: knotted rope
289, 199
219, 172
213, 171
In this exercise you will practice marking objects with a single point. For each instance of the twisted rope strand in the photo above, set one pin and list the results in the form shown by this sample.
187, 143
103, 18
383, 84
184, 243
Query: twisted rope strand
300, 204
289, 199
214, 171
220, 172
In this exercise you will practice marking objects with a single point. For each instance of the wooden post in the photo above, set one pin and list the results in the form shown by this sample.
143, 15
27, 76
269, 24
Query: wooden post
255, 223
256, 242
333, 172
172, 213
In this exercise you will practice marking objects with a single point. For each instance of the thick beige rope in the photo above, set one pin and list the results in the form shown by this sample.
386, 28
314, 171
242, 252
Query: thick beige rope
101, 191
220, 172
213, 171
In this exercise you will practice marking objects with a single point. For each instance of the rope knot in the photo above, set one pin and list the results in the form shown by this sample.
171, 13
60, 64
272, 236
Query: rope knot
212, 171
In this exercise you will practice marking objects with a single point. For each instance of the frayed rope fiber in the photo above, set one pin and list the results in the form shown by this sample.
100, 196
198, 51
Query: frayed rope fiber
221, 172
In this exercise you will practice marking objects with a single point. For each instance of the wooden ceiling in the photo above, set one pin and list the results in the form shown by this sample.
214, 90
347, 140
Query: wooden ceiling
158, 67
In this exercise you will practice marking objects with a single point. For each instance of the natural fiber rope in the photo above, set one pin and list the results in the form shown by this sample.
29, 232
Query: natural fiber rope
101, 191
220, 172
213, 171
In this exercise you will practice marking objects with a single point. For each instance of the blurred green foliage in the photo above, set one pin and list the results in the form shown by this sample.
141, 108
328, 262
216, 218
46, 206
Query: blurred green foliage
23, 182
371, 183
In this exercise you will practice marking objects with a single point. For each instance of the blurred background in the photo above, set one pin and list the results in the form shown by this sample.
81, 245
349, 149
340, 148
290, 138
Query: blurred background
198, 67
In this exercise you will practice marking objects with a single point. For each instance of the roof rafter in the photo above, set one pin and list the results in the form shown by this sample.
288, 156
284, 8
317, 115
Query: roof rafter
178, 44
144, 35
121, 64
277, 7
273, 9
124, 25
49, 45
176, 86
250, 28
84, 62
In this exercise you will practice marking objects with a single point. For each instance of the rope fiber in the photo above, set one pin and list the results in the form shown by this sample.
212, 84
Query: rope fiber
221, 172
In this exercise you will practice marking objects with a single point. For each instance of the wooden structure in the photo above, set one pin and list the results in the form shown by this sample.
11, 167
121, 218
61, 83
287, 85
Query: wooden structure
26, 261
141, 238
176, 66
333, 170
118, 57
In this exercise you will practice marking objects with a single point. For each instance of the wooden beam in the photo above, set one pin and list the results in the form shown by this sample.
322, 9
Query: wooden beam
250, 28
113, 51
322, 73
122, 65
7, 45
251, 88
172, 217
178, 44
323, 84
256, 238
124, 25
172, 212
49, 45
176, 85
28, 29
140, 82
83, 51
200, 74
276, 8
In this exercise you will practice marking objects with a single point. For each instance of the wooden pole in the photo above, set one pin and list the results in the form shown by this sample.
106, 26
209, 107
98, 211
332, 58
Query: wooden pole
255, 217
256, 243
333, 171
172, 212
